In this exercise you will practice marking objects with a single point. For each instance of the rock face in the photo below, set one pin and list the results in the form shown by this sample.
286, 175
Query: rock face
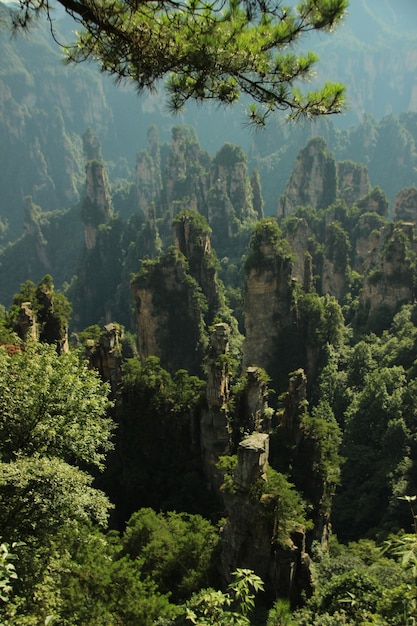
295, 407
351, 243
252, 457
53, 326
192, 238
253, 407
219, 189
169, 309
313, 181
148, 173
106, 355
185, 173
258, 202
390, 280
33, 230
317, 488
215, 426
177, 297
27, 326
352, 181
96, 206
298, 235
268, 298
405, 205
230, 196
248, 536
375, 202
335, 268
47, 324
367, 236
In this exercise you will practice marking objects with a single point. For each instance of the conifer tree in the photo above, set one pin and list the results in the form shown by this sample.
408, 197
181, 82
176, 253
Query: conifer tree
205, 49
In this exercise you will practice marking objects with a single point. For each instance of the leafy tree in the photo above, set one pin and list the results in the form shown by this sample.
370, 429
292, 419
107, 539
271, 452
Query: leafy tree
280, 614
51, 309
284, 504
86, 580
99, 585
215, 608
7, 570
7, 335
155, 413
207, 51
174, 549
355, 584
376, 445
52, 421
52, 406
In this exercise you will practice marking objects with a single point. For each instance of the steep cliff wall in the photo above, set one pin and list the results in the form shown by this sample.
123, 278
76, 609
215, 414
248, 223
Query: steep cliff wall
250, 536
96, 205
366, 237
105, 355
335, 267
215, 424
169, 311
297, 448
185, 176
352, 181
268, 300
299, 235
313, 181
192, 238
229, 198
390, 280
45, 317
405, 205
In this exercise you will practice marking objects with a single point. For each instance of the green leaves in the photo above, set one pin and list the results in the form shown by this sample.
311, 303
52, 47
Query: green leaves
52, 416
214, 608
206, 51
52, 405
38, 495
175, 549
7, 570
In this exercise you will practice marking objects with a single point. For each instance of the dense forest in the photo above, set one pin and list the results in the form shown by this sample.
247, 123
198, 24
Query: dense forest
208, 366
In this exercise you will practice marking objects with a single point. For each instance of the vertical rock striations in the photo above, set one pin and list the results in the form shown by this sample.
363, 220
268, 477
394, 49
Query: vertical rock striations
96, 204
230, 196
268, 298
390, 280
185, 177
313, 181
249, 537
215, 425
169, 310
405, 205
105, 355
352, 181
148, 174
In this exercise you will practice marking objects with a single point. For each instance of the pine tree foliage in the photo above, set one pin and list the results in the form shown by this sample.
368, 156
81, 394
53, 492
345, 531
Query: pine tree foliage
206, 50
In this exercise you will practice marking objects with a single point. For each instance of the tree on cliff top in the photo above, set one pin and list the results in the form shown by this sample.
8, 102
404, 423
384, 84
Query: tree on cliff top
206, 49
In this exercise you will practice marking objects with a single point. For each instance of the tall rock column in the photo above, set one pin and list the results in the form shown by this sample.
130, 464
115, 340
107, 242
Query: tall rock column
268, 299
313, 181
192, 238
249, 537
169, 311
105, 355
307, 448
96, 205
215, 427
148, 175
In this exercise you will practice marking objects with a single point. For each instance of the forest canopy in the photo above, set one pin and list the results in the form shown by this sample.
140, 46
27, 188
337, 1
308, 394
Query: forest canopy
205, 50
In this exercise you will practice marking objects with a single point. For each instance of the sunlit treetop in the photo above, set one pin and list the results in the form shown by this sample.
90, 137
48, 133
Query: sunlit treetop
205, 50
